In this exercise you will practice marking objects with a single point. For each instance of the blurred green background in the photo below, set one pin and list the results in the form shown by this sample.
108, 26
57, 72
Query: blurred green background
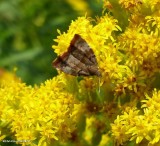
27, 30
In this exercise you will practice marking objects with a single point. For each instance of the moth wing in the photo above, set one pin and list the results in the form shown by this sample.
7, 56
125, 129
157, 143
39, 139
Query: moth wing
82, 49
79, 60
70, 65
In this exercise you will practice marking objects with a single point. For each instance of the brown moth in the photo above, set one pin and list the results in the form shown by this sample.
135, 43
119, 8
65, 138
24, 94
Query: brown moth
79, 60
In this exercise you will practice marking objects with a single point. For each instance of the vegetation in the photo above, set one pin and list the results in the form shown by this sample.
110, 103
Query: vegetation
121, 107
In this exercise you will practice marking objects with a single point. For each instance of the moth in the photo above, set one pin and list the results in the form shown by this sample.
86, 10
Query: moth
78, 60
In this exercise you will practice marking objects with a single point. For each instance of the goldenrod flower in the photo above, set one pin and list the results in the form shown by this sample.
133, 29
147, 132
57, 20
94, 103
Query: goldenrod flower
135, 125
94, 110
130, 4
46, 113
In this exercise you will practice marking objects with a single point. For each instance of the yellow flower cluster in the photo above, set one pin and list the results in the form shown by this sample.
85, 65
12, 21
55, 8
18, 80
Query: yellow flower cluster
101, 43
38, 115
139, 44
128, 59
92, 110
142, 124
142, 51
130, 4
